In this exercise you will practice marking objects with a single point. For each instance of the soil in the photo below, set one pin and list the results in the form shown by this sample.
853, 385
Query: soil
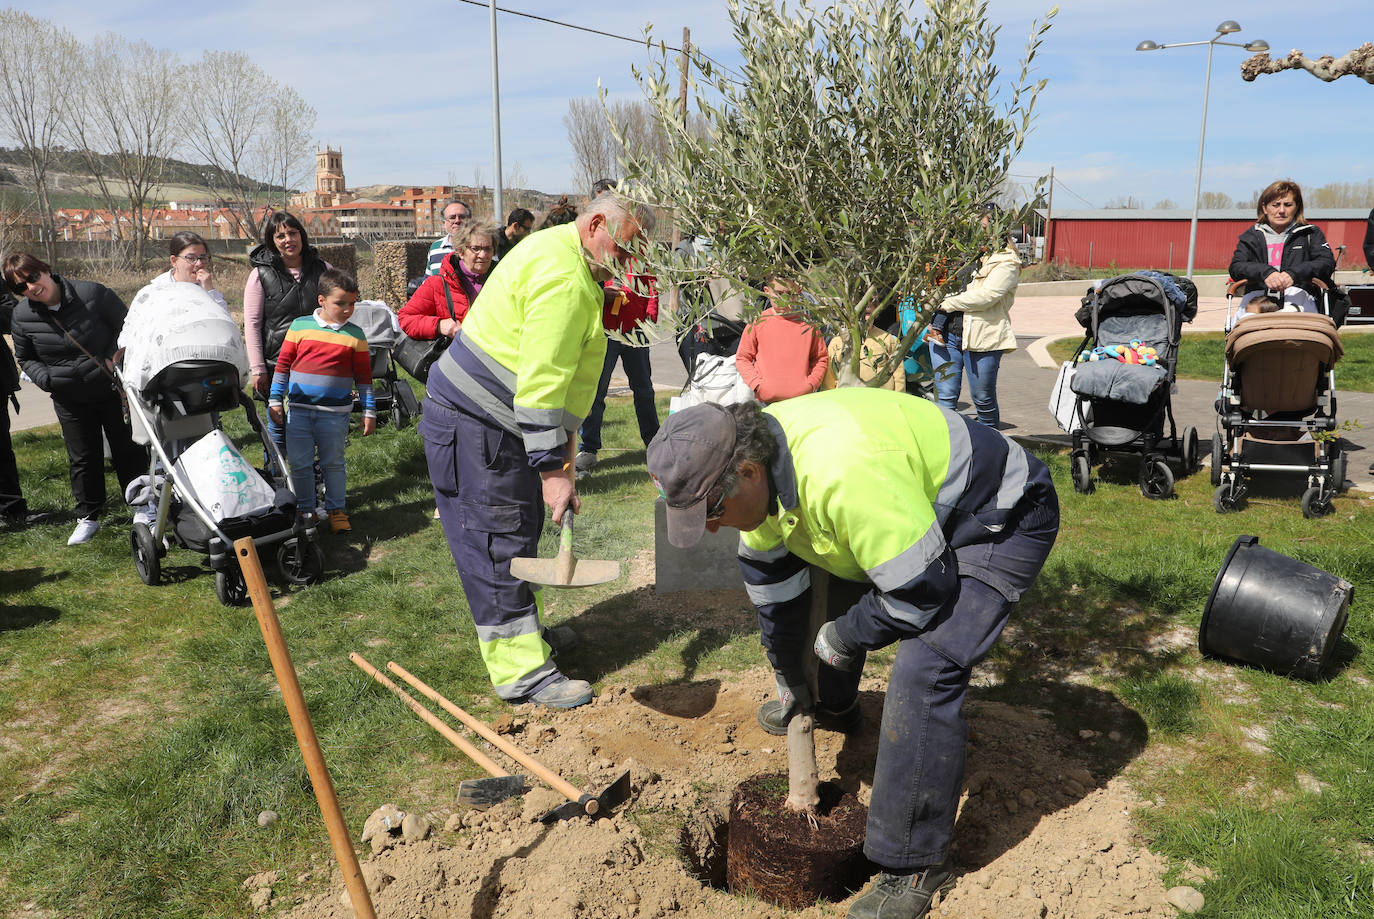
1044, 828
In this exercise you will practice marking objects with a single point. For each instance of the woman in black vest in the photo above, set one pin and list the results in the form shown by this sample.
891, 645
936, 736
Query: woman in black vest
65, 335
280, 289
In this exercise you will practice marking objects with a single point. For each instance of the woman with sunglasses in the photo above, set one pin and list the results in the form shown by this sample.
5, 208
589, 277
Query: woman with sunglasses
437, 308
65, 336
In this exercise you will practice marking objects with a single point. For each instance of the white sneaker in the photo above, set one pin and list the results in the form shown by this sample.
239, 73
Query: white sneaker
85, 531
146, 514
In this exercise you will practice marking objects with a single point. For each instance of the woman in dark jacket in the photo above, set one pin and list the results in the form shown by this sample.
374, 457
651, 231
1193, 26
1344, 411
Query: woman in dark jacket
280, 289
65, 335
1280, 251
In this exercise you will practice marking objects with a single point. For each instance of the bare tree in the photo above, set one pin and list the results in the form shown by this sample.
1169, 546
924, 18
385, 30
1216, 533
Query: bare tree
1166, 204
126, 104
233, 110
36, 61
284, 146
1126, 202
1358, 63
604, 134
593, 145
1215, 200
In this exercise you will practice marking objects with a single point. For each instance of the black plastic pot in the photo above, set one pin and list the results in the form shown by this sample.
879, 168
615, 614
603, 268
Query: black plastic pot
1274, 612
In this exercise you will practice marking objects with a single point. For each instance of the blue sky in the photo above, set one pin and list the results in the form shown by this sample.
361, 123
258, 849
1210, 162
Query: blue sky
404, 88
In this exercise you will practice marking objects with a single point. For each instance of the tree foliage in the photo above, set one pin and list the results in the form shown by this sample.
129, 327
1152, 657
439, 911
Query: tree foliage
855, 153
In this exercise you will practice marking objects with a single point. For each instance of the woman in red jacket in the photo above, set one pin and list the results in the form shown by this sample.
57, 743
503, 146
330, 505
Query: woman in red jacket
438, 307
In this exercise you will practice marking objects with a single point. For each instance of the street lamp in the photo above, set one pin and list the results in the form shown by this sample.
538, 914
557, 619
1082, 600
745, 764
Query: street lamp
1226, 28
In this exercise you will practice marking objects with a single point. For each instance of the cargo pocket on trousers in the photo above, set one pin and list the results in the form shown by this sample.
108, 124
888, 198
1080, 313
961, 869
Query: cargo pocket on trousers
500, 524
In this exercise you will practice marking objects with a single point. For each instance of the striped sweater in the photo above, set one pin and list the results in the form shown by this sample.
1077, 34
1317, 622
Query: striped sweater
318, 367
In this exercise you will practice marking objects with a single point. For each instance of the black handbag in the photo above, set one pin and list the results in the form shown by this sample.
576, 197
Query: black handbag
417, 355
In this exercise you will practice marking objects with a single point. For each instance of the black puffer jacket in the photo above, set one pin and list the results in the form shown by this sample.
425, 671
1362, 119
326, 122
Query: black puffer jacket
285, 299
9, 373
1369, 241
1306, 255
94, 315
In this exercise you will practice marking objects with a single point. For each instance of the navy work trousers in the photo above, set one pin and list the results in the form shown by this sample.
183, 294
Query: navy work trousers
920, 768
491, 504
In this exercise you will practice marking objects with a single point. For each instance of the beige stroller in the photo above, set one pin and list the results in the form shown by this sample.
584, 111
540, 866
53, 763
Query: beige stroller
1277, 406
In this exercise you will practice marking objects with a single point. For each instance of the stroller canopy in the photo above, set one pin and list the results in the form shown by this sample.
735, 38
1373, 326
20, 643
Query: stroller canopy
175, 322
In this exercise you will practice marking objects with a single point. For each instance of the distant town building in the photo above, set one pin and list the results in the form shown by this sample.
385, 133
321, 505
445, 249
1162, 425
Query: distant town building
329, 182
428, 205
372, 220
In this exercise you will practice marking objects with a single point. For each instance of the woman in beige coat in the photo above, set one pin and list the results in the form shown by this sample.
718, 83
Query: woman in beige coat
977, 346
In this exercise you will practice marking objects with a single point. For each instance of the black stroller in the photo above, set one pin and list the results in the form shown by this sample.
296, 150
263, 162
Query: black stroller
177, 406
396, 401
1121, 405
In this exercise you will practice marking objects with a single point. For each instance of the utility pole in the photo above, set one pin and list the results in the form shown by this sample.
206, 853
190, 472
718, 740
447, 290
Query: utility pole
682, 108
497, 210
1049, 214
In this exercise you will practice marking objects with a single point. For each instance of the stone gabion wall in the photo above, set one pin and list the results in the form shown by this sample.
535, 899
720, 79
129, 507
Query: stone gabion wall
341, 255
394, 262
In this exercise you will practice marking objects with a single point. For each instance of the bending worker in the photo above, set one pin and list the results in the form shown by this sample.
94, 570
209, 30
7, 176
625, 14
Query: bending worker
932, 527
503, 401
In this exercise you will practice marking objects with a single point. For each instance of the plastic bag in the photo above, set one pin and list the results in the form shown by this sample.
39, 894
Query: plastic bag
225, 483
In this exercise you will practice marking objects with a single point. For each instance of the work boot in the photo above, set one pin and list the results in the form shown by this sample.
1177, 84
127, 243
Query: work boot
561, 638
904, 896
563, 693
586, 459
849, 721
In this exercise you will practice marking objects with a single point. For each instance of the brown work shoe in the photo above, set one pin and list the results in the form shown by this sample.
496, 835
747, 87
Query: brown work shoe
338, 522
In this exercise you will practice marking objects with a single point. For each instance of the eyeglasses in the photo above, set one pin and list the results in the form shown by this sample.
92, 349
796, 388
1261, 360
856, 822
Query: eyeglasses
716, 509
196, 259
480, 249
456, 218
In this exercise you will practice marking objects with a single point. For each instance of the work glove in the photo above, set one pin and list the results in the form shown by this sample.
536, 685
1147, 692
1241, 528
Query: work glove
832, 649
793, 693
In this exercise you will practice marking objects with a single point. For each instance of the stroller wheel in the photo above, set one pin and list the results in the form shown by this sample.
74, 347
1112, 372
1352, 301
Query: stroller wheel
1218, 458
1227, 499
1082, 474
1189, 451
1156, 481
1316, 502
230, 586
300, 562
147, 554
400, 417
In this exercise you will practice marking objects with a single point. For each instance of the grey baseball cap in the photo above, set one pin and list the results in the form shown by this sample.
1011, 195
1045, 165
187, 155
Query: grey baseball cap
686, 459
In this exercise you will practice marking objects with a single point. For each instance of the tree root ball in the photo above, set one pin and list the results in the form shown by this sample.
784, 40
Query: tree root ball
773, 853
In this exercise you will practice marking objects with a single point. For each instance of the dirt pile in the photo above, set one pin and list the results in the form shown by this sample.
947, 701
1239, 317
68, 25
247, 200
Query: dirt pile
1038, 833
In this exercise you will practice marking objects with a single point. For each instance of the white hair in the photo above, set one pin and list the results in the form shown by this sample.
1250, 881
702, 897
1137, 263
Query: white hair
615, 207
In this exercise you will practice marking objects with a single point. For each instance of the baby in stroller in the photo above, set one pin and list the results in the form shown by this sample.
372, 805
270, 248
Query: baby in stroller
184, 361
1277, 403
395, 399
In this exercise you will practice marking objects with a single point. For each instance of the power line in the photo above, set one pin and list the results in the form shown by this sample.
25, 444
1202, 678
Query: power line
1060, 184
570, 25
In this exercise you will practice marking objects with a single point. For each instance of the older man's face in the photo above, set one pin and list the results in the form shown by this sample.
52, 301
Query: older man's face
612, 241
455, 215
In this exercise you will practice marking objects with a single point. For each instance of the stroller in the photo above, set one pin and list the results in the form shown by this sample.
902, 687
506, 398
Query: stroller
395, 399
1277, 404
1121, 400
174, 400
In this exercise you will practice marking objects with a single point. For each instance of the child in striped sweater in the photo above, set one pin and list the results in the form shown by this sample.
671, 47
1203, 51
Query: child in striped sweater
323, 357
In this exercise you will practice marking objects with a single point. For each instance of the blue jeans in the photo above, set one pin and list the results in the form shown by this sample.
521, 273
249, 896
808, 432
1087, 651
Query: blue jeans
636, 362
308, 430
981, 367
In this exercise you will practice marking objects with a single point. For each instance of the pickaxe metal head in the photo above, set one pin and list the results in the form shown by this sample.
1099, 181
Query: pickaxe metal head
483, 793
599, 806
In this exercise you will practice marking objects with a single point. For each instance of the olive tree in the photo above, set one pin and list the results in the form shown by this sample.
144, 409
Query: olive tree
1358, 62
854, 154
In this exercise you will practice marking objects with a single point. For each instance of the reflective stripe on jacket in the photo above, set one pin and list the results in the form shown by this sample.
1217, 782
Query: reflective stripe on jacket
533, 342
878, 486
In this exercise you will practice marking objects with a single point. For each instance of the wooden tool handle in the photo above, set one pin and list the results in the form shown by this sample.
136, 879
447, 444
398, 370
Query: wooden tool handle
429, 717
565, 562
291, 694
548, 776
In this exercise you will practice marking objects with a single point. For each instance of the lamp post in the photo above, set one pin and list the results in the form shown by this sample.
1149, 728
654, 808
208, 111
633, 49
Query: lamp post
1226, 28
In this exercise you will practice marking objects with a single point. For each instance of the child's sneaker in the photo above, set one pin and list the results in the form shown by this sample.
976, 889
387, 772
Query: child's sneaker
338, 522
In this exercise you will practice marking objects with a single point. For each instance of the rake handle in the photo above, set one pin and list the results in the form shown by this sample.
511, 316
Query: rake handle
315, 766
548, 776
429, 718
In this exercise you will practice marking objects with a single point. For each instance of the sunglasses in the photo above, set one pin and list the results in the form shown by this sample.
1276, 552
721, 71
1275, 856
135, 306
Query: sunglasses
27, 279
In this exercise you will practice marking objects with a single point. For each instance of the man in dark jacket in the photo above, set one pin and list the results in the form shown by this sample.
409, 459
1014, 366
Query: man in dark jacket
1369, 241
14, 510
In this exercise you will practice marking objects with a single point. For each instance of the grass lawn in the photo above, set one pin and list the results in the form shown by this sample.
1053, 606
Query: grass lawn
1201, 356
143, 733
